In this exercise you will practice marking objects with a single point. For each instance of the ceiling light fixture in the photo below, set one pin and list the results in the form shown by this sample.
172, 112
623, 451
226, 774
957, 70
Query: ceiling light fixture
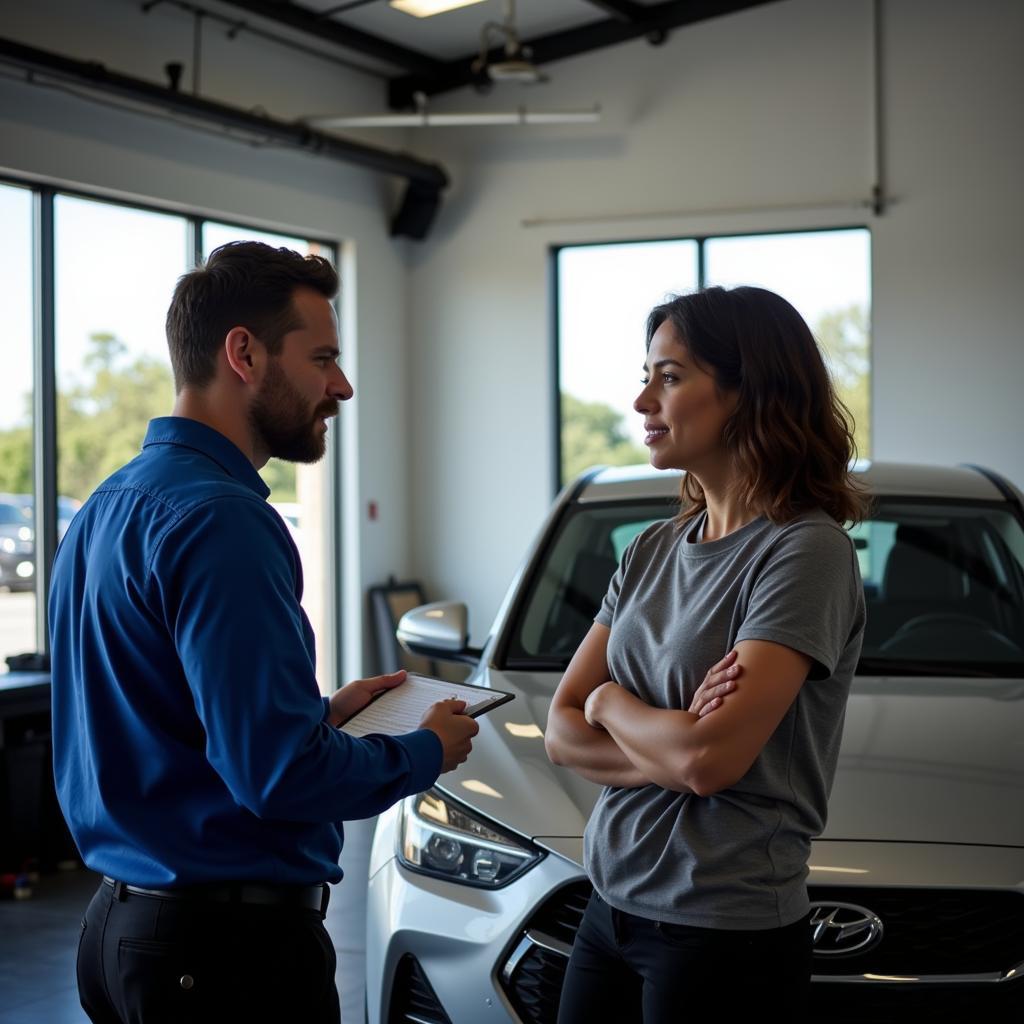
428, 8
517, 66
423, 118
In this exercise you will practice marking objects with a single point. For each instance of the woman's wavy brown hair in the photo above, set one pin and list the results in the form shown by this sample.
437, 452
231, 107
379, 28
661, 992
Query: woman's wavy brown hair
791, 435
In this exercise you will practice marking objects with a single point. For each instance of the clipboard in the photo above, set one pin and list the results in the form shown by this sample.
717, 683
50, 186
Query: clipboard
398, 711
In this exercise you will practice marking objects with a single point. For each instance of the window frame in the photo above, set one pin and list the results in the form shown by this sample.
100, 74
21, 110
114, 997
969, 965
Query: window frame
44, 378
554, 303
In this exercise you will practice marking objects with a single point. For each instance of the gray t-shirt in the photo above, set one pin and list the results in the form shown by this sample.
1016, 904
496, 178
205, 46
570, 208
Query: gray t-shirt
737, 859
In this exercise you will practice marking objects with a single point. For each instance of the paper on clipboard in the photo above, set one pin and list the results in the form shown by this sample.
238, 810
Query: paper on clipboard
402, 709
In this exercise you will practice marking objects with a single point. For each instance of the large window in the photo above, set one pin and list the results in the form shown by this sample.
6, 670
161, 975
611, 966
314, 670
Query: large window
604, 293
113, 269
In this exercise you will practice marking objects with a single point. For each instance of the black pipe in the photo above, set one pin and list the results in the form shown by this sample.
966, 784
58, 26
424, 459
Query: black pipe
292, 134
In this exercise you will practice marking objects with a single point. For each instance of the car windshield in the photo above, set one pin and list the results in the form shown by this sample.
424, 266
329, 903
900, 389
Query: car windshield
943, 586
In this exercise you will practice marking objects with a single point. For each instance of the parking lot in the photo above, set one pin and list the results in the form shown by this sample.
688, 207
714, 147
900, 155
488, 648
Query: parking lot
17, 624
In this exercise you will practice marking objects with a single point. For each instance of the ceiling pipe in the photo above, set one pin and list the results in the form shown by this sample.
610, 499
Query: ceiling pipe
429, 179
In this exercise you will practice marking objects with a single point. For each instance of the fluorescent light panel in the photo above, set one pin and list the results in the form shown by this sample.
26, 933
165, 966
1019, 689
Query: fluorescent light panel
423, 119
428, 8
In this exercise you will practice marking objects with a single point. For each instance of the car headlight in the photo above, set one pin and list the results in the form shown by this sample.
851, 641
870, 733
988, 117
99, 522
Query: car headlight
8, 545
442, 838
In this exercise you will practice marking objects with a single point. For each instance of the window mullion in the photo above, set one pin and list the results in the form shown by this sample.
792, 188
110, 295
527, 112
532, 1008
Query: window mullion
44, 434
195, 241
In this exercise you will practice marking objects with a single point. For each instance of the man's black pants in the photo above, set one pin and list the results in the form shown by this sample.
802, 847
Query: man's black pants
150, 960
630, 969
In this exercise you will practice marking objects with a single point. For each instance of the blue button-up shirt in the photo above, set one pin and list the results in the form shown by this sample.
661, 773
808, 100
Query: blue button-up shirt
191, 743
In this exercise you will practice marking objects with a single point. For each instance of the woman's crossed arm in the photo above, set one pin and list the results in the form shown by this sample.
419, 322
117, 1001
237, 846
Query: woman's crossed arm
689, 753
592, 749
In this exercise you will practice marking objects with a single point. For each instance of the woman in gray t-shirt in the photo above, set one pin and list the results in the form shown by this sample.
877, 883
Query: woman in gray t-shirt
717, 778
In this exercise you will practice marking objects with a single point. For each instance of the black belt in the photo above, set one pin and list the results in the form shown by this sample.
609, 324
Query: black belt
308, 897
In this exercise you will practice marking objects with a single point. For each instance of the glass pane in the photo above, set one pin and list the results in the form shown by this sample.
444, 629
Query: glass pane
826, 275
568, 589
604, 295
215, 235
116, 268
300, 493
944, 586
17, 546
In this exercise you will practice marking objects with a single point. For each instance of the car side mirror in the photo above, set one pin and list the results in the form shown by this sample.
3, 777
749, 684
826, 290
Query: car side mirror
438, 630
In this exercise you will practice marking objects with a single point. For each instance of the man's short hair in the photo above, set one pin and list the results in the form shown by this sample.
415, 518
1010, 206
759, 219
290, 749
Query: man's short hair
241, 284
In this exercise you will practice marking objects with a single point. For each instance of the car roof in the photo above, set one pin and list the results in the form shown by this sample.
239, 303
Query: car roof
905, 479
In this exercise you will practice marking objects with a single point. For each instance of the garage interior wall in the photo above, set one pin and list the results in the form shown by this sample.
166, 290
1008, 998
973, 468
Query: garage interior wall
768, 111
761, 109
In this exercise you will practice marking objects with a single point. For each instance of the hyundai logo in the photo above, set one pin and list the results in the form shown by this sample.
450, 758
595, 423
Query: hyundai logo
841, 929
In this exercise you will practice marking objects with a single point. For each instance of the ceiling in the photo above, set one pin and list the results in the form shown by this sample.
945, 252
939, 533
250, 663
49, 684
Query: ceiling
434, 55
453, 34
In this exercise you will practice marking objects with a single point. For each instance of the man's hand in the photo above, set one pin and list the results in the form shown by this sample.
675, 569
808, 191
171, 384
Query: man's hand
454, 729
354, 696
720, 680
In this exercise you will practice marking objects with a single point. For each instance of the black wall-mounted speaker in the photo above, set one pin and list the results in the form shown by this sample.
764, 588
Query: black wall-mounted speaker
416, 213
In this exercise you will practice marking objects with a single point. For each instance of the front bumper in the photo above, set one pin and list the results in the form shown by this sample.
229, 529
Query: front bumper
437, 951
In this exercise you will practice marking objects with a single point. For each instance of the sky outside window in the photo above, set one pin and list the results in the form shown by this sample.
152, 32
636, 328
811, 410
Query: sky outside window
826, 275
817, 271
605, 294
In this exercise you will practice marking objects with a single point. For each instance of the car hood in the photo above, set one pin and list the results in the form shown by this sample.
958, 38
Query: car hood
922, 760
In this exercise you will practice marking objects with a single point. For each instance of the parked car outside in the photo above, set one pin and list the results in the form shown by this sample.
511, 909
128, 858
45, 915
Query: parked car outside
17, 538
476, 887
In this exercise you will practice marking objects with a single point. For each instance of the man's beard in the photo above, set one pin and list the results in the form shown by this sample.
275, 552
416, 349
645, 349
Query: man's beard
282, 422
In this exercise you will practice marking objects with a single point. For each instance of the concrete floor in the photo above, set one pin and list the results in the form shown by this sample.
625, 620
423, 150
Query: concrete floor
39, 938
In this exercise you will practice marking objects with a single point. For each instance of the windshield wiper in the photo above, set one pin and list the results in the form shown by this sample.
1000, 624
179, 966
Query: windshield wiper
538, 664
921, 667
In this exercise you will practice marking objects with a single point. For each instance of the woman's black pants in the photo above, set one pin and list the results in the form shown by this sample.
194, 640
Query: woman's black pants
149, 960
630, 969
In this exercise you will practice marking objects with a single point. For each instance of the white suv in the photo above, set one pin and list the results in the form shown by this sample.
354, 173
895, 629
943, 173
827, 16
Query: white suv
477, 887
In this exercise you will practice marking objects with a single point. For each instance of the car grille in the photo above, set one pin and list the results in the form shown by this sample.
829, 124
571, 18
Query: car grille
927, 932
412, 999
934, 931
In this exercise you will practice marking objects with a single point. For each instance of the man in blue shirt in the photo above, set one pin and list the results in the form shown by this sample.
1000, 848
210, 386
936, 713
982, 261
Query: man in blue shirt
197, 765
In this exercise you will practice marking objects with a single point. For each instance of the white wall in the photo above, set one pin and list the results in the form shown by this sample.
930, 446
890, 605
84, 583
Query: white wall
949, 262
760, 109
68, 140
